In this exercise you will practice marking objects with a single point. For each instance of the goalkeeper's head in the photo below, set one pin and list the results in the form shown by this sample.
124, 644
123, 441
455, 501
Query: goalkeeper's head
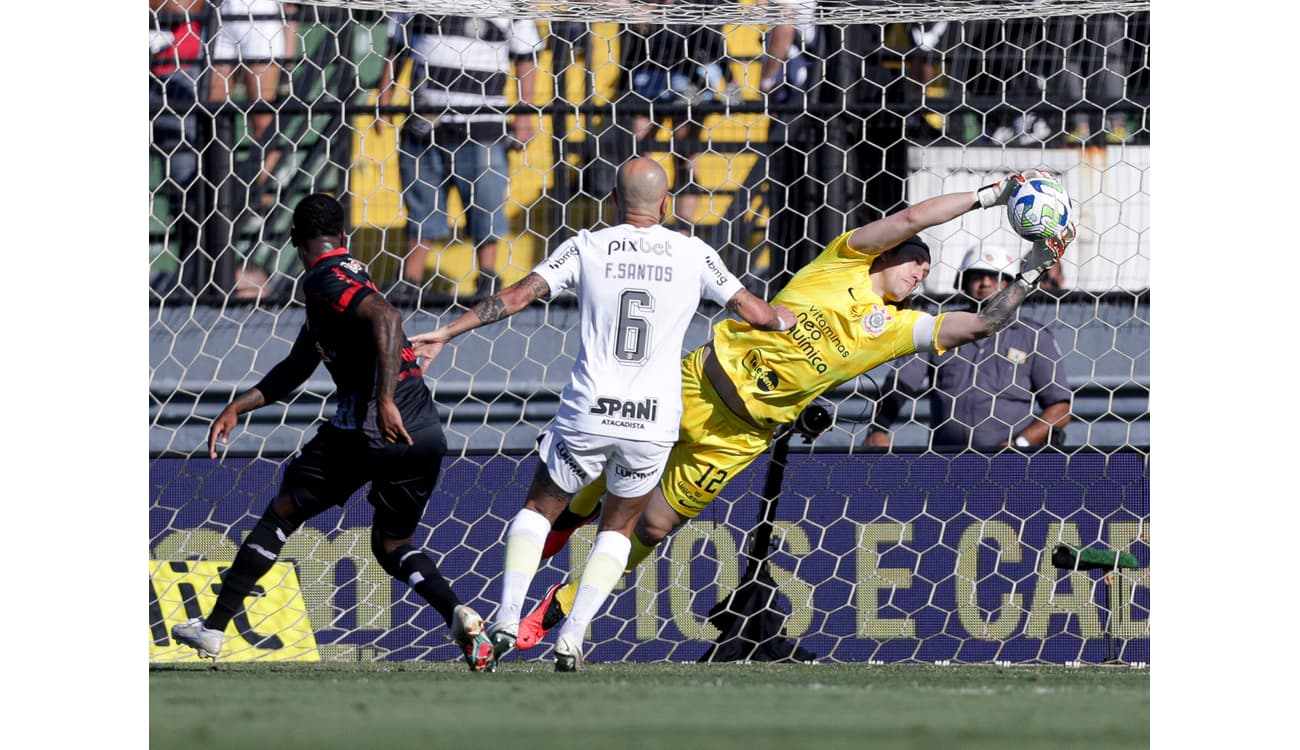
317, 216
901, 269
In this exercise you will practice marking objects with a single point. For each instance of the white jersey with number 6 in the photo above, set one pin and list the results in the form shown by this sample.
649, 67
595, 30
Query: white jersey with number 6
637, 288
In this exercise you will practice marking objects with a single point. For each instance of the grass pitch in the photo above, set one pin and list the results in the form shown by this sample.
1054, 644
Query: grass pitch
683, 706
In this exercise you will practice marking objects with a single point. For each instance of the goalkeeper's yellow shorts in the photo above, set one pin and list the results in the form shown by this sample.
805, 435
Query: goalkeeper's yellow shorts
713, 445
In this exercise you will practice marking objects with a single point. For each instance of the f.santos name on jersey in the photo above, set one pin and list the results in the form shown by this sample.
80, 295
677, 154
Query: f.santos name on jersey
636, 270
631, 414
639, 272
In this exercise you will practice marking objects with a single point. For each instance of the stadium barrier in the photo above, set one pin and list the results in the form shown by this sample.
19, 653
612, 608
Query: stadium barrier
883, 558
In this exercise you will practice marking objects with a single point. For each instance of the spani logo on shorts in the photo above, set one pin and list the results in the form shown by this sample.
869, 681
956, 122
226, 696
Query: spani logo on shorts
877, 319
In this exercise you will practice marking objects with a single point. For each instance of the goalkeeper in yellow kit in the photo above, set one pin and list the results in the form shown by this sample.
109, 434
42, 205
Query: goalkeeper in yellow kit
737, 389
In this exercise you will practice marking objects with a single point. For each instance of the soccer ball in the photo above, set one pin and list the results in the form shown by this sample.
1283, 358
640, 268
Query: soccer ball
1039, 208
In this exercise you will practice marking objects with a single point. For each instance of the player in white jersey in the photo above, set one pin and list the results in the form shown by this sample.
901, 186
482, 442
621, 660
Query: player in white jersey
638, 285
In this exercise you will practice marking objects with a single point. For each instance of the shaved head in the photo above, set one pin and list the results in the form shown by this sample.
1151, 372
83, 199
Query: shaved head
642, 186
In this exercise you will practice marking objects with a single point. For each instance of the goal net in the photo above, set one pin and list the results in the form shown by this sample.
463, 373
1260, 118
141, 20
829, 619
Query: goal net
781, 124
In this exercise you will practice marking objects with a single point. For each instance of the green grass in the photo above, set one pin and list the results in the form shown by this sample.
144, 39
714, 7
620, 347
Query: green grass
357, 706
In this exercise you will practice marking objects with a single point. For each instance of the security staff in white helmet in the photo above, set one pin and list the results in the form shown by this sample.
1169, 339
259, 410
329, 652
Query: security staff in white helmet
1008, 389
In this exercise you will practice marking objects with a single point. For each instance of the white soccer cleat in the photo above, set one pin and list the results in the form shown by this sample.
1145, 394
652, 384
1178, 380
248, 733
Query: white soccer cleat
568, 655
205, 640
468, 632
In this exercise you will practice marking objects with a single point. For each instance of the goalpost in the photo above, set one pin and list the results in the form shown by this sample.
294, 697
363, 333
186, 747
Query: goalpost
914, 555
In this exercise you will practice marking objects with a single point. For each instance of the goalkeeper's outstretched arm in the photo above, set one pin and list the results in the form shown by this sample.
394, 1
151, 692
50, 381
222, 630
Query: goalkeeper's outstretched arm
883, 234
957, 328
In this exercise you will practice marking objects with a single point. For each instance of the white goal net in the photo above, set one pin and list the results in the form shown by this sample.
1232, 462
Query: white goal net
781, 124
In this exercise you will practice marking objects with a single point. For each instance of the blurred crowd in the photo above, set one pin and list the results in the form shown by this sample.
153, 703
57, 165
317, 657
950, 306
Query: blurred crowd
1019, 83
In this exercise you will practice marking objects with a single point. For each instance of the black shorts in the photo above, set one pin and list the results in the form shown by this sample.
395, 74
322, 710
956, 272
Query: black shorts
335, 463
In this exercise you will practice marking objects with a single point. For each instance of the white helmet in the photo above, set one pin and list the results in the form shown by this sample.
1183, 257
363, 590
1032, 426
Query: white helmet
992, 257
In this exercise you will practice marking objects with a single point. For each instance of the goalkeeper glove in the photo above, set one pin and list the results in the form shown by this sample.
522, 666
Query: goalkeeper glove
998, 193
1044, 254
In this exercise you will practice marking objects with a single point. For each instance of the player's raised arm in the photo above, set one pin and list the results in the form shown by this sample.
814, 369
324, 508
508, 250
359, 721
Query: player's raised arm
958, 328
883, 234
283, 379
758, 313
499, 306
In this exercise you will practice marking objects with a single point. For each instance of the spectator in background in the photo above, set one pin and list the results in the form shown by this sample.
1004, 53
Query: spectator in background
838, 153
252, 38
982, 396
175, 66
672, 64
788, 70
1096, 60
458, 134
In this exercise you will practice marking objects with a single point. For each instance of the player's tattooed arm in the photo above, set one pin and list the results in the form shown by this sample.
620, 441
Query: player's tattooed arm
511, 300
386, 327
758, 313
957, 328
491, 310
998, 312
499, 306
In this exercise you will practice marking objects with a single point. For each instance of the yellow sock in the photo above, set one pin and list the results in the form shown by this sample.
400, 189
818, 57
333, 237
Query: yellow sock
585, 501
639, 552
565, 596
569, 590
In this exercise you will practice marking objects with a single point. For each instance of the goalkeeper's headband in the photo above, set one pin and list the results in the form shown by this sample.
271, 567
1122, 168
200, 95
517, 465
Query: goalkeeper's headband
915, 242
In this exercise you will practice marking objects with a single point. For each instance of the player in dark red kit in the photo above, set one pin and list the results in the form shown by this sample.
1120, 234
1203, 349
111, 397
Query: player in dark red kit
385, 432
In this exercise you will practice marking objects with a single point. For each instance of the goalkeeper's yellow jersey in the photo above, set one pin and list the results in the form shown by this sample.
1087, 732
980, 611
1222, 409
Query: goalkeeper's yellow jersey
842, 330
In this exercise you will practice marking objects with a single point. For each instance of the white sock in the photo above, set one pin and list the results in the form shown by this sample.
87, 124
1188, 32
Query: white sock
524, 541
604, 567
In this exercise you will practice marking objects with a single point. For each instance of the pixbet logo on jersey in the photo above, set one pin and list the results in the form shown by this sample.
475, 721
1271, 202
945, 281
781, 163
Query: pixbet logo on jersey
639, 245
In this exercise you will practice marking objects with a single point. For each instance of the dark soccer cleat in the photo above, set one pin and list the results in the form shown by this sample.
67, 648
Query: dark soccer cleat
563, 528
546, 615
502, 642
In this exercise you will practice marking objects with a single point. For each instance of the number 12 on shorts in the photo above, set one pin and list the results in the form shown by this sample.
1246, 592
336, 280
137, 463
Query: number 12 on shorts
711, 480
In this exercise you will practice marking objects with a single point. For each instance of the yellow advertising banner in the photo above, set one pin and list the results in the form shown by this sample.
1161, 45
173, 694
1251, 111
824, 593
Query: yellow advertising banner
273, 626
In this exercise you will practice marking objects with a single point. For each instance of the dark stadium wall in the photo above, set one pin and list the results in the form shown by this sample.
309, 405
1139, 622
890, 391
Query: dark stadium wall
883, 557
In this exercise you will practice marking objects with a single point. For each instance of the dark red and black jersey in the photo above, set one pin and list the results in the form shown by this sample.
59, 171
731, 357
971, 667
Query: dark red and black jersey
334, 287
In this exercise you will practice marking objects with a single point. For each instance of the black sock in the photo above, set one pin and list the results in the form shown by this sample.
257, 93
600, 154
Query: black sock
255, 557
417, 570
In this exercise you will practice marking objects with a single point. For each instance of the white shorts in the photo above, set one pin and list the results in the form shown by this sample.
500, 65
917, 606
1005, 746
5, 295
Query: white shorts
236, 41
575, 459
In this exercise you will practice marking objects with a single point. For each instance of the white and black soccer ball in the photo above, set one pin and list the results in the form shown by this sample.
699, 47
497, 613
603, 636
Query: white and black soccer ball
1039, 208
